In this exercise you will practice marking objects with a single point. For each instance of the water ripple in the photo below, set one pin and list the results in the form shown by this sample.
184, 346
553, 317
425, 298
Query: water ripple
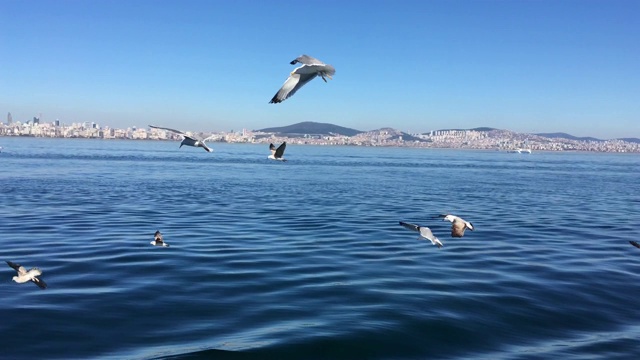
306, 259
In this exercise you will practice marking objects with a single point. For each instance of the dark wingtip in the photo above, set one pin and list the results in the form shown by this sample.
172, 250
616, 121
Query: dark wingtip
634, 244
41, 284
293, 62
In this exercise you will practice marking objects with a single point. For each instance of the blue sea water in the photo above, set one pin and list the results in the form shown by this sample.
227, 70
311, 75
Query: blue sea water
306, 259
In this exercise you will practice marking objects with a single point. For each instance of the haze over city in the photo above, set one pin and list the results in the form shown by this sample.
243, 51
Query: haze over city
526, 66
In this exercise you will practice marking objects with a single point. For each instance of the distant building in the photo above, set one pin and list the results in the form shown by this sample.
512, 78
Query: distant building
36, 120
9, 119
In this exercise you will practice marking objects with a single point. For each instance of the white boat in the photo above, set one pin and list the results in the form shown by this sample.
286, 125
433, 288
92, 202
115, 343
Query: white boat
520, 151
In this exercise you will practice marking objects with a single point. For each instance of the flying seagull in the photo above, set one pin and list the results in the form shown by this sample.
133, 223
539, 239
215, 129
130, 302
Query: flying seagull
158, 241
301, 75
187, 139
424, 231
458, 224
634, 243
276, 154
24, 275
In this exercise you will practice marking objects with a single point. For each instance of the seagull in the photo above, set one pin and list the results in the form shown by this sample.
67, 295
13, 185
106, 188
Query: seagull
276, 154
424, 231
187, 139
158, 241
458, 224
301, 75
24, 275
634, 244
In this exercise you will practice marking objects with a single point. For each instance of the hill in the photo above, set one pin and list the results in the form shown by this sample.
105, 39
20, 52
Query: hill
312, 128
566, 136
631, 140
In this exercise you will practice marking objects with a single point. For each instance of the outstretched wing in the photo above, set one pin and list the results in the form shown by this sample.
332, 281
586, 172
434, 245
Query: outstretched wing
291, 85
410, 226
17, 267
280, 150
634, 244
41, 284
205, 147
164, 128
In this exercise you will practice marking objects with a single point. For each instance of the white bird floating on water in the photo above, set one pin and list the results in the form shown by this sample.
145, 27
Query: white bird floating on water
158, 240
301, 75
276, 154
24, 275
458, 224
187, 139
425, 232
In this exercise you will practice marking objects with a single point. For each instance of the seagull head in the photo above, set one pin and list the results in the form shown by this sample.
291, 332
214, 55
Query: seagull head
15, 278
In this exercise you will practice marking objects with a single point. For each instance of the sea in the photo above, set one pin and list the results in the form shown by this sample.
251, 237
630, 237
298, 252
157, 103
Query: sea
306, 259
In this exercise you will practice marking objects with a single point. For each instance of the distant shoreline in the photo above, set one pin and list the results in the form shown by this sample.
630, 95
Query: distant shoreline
292, 141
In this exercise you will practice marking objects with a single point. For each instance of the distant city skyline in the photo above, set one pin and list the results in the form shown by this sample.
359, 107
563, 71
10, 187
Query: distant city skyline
311, 133
95, 125
527, 66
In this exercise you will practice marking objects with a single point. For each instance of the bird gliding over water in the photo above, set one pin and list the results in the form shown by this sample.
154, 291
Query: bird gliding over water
24, 275
186, 139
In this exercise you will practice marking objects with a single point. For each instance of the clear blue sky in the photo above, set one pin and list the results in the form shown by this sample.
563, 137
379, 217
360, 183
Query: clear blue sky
528, 66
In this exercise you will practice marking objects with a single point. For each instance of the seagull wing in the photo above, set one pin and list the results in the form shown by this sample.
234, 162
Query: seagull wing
634, 243
426, 233
172, 130
457, 228
291, 85
41, 284
410, 226
17, 267
280, 150
204, 146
